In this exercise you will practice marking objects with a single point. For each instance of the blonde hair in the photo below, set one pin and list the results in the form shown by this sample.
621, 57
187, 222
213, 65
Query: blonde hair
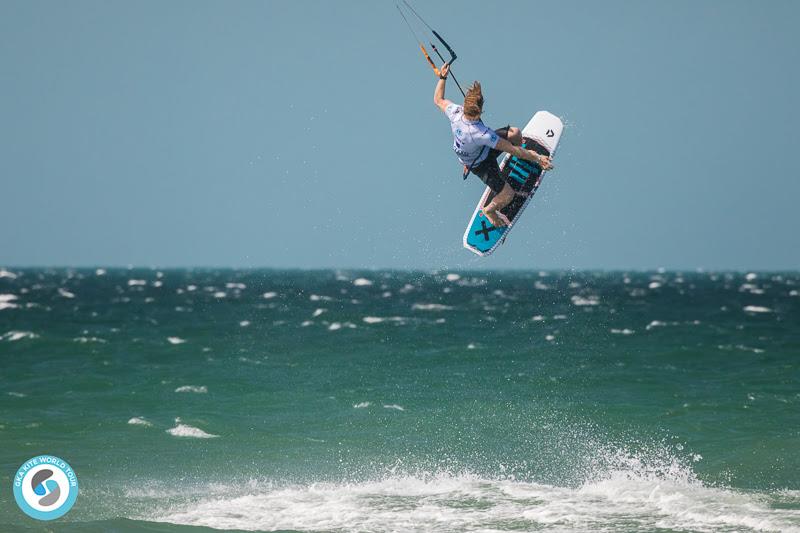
473, 101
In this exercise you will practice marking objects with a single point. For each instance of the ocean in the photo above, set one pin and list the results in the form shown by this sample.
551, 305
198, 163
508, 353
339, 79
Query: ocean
376, 401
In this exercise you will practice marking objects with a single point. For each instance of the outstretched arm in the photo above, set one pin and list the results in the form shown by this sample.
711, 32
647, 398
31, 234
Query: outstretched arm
505, 146
438, 95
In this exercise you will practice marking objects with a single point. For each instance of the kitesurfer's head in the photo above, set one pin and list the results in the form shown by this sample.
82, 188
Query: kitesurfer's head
473, 102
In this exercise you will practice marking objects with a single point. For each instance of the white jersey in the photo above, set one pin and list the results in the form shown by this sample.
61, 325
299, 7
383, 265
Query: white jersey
471, 138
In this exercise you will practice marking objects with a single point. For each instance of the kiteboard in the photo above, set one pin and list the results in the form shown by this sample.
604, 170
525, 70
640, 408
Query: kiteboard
541, 135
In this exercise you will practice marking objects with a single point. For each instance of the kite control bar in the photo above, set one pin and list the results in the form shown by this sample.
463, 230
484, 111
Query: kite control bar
452, 52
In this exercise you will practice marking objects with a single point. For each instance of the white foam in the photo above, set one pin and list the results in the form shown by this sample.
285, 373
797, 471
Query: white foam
12, 336
7, 274
317, 312
452, 277
751, 276
6, 305
431, 307
220, 294
16, 394
139, 421
756, 309
654, 285
244, 323
362, 282
625, 331
137, 282
175, 340
269, 295
185, 430
623, 500
319, 298
334, 326
379, 319
85, 340
8, 297
237, 286
361, 405
197, 389
65, 293
582, 301
394, 406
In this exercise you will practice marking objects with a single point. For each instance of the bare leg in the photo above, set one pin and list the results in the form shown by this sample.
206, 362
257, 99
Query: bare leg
498, 203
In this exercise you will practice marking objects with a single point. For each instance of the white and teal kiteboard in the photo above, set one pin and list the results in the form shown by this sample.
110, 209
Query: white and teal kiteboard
541, 134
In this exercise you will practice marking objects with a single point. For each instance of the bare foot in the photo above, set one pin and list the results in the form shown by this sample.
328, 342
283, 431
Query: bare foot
493, 217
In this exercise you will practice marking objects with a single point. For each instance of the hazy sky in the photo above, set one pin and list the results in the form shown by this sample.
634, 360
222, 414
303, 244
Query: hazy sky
303, 134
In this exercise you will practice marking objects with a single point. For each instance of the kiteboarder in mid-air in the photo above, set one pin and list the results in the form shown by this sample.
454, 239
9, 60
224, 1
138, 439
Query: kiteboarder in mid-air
478, 146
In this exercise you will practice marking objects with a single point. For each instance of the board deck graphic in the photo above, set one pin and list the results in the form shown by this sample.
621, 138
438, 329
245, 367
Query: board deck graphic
541, 134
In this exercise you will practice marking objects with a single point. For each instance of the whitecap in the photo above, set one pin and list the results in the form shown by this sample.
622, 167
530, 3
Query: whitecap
7, 274
220, 294
453, 277
654, 285
84, 340
244, 323
362, 282
625, 331
379, 319
12, 336
139, 421
137, 283
751, 276
317, 312
175, 340
334, 326
197, 389
100, 272
581, 301
361, 405
16, 394
65, 293
319, 298
394, 406
756, 309
238, 286
269, 295
431, 307
184, 430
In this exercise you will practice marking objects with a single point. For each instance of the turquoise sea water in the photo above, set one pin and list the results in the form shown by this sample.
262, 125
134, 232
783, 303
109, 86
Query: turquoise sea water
405, 401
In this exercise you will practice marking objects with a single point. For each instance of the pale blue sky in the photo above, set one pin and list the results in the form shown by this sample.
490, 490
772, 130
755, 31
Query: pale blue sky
302, 134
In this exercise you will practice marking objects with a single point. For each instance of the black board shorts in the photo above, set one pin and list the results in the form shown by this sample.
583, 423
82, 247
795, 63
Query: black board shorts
488, 171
